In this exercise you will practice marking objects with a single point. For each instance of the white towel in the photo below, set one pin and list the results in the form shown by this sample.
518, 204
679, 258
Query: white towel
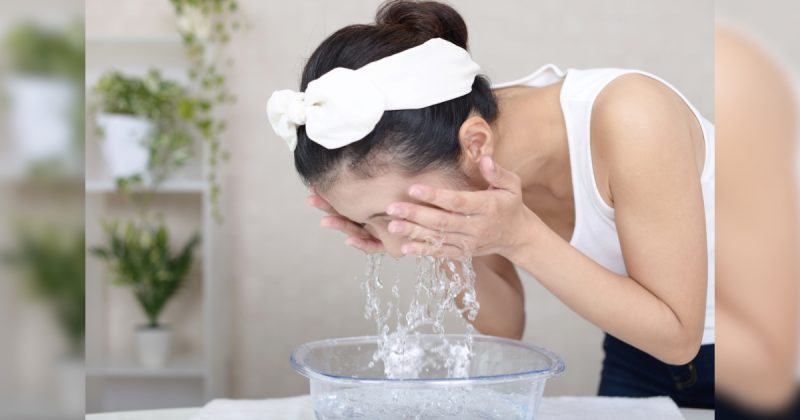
292, 408
602, 408
561, 408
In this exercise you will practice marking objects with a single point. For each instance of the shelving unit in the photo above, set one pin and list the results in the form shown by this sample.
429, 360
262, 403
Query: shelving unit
172, 186
197, 371
179, 367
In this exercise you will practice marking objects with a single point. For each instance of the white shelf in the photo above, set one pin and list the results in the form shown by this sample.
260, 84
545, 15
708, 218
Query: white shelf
166, 40
114, 378
92, 76
172, 186
186, 366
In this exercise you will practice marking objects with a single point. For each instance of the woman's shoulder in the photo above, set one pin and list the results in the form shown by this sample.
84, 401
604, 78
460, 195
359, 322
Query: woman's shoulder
636, 116
588, 84
635, 98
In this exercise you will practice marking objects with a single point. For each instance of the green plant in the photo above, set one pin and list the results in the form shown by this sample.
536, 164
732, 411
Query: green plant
206, 27
52, 262
32, 50
177, 115
35, 50
140, 257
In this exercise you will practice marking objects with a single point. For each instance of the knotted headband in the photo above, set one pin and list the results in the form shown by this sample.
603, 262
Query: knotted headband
344, 105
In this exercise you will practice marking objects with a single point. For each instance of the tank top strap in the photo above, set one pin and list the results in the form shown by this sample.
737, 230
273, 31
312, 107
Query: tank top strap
578, 93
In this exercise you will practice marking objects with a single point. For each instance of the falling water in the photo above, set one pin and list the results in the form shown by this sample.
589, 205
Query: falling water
440, 285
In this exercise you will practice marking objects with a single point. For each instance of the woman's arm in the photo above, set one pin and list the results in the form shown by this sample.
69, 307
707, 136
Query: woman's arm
501, 296
643, 134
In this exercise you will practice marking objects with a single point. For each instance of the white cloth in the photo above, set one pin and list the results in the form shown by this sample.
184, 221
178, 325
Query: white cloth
292, 408
344, 105
595, 232
562, 408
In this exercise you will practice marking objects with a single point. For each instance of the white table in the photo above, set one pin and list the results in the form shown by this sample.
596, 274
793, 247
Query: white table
187, 413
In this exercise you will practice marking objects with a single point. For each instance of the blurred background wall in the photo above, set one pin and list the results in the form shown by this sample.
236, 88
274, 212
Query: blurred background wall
282, 279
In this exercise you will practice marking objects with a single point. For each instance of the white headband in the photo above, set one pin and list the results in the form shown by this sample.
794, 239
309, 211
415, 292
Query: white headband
343, 105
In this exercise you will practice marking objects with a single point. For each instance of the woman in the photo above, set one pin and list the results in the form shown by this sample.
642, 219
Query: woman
618, 229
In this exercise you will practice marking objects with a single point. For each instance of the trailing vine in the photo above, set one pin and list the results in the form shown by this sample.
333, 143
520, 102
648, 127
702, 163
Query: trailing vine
206, 28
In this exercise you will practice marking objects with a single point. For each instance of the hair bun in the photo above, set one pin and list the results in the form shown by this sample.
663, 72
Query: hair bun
427, 19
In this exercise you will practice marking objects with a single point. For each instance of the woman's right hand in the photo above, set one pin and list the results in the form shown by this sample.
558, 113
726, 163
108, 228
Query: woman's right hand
357, 236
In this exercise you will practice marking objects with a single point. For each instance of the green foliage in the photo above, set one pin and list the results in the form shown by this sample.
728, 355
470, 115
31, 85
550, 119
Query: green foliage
53, 264
152, 97
178, 116
35, 50
141, 258
206, 27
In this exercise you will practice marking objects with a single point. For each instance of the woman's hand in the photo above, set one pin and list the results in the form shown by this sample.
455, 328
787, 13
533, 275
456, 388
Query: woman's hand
492, 221
357, 236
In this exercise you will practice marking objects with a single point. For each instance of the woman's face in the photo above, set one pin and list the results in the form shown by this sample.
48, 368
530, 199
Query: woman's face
365, 200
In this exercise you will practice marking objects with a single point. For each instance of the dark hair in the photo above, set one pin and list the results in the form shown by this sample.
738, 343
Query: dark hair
416, 140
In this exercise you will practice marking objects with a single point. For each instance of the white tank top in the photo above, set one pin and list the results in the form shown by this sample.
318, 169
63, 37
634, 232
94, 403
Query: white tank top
595, 233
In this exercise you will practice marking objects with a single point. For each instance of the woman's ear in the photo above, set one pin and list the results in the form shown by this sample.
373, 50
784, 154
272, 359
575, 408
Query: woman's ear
476, 138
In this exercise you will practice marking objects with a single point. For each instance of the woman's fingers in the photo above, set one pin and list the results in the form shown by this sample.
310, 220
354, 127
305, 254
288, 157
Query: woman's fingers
320, 203
367, 245
465, 202
431, 218
344, 225
357, 236
499, 177
432, 250
420, 233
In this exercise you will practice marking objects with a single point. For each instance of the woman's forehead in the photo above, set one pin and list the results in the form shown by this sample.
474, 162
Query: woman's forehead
359, 198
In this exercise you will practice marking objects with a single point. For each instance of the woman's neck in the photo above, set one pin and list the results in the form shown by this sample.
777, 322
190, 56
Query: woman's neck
532, 139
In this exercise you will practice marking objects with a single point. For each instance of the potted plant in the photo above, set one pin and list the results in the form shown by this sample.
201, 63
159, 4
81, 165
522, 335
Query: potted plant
147, 124
46, 69
140, 257
51, 261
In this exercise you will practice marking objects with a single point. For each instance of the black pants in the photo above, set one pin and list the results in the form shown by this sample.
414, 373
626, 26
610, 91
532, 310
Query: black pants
731, 410
630, 372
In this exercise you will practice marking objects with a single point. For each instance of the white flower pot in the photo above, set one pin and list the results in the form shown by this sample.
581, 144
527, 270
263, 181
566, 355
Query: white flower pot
41, 118
153, 346
124, 144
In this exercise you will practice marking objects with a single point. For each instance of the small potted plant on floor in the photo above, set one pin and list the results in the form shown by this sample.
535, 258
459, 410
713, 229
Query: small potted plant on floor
147, 125
140, 256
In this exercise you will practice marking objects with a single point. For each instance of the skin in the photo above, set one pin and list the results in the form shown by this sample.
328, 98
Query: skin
518, 209
757, 269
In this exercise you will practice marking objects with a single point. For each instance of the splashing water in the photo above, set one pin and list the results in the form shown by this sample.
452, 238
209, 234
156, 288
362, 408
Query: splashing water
440, 285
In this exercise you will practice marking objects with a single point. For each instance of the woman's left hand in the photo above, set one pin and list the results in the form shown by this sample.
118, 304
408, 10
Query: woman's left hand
466, 223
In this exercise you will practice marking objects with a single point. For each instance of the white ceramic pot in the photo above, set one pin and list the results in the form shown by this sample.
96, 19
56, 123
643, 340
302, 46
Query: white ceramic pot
41, 118
153, 346
124, 144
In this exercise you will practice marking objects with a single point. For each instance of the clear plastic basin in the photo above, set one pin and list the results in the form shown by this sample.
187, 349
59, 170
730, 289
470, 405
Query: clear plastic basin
505, 380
